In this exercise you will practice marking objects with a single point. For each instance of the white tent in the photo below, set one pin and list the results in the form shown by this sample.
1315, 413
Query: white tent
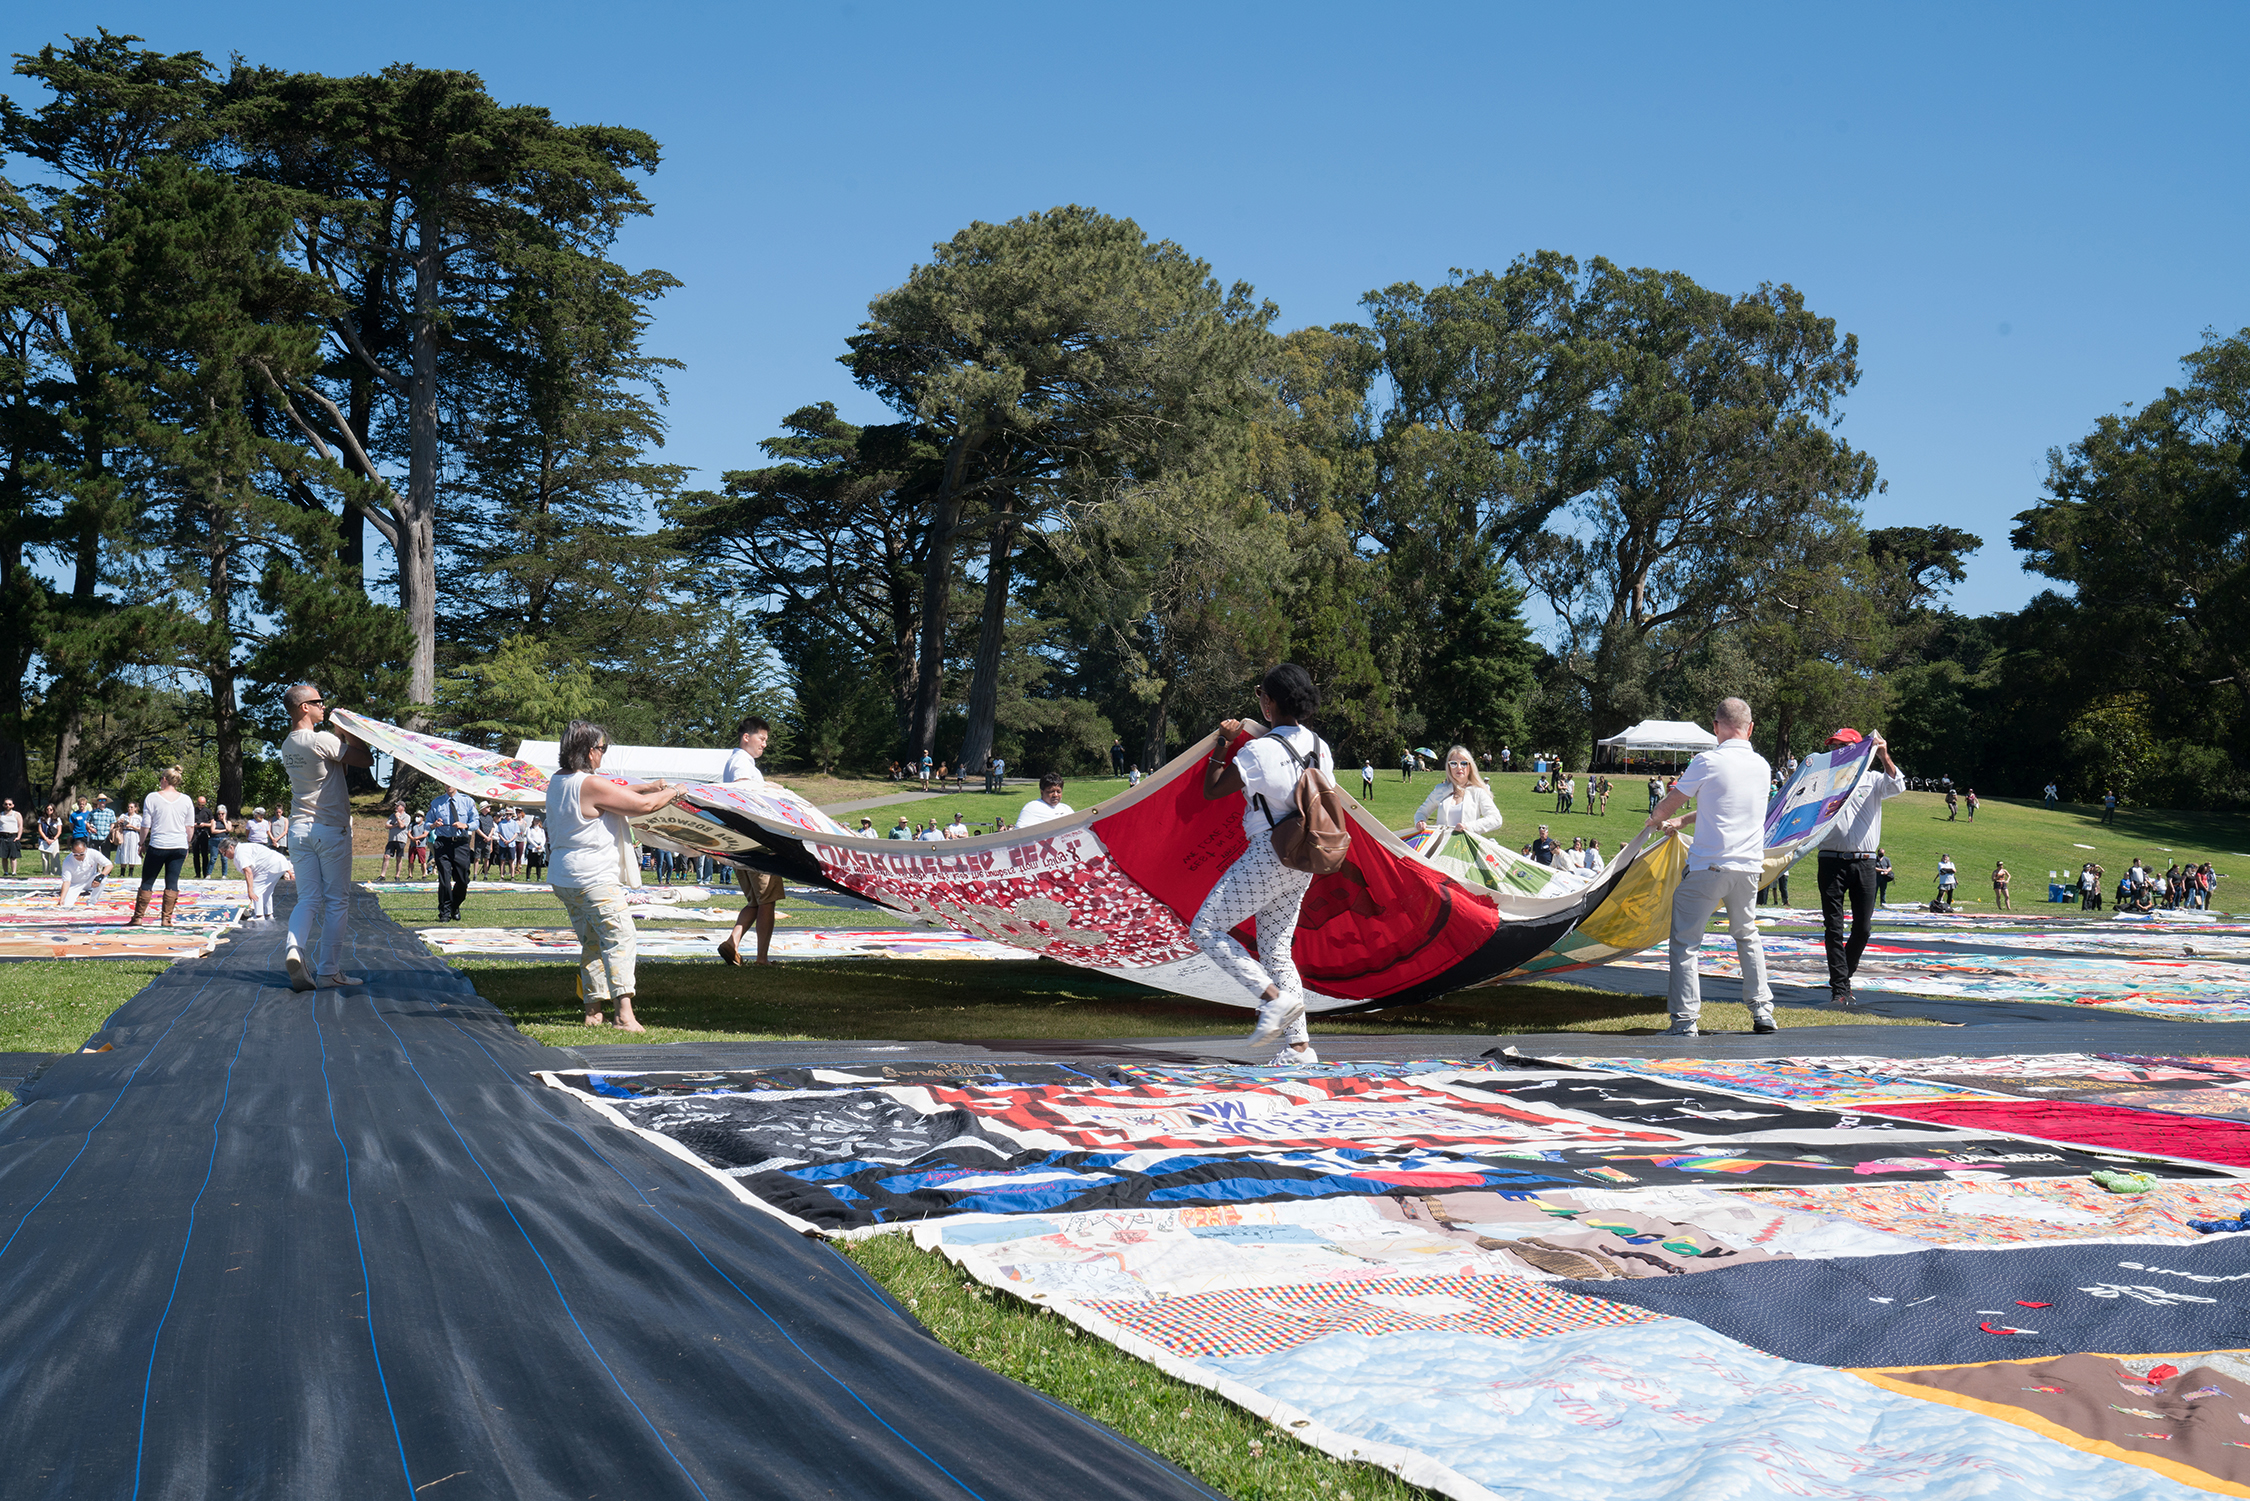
1662, 735
638, 763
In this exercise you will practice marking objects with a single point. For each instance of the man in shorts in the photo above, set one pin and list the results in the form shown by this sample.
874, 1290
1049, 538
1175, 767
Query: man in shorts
761, 893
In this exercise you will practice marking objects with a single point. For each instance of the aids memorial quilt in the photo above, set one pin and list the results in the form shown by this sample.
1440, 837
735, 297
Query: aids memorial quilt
847, 1158
671, 943
1112, 888
1431, 1266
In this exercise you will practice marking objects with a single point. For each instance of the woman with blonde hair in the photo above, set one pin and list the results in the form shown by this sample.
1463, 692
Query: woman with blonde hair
170, 816
1453, 825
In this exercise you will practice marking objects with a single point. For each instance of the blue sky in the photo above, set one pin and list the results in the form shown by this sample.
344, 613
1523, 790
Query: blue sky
2026, 213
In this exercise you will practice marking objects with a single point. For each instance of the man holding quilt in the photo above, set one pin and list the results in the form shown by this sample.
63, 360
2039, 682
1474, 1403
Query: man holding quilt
1729, 786
1847, 864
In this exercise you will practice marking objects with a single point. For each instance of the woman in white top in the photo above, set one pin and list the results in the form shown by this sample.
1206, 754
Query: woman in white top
1461, 810
128, 833
171, 823
588, 839
82, 872
1258, 885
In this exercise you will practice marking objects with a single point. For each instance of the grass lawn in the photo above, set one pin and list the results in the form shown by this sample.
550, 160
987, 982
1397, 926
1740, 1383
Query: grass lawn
54, 1005
1210, 1438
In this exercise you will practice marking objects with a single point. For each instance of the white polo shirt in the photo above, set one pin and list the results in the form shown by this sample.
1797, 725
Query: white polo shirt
1729, 786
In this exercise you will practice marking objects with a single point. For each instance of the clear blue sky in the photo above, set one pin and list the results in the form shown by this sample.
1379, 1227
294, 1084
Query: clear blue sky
2026, 213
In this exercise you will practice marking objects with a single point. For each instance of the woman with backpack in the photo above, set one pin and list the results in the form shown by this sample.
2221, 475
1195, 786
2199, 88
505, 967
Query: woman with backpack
1258, 884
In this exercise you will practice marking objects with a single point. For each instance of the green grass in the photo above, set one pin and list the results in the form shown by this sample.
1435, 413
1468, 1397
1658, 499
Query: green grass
54, 1005
1209, 1437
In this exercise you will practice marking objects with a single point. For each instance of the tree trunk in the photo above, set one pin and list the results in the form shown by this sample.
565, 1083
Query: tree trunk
984, 686
417, 550
937, 594
218, 661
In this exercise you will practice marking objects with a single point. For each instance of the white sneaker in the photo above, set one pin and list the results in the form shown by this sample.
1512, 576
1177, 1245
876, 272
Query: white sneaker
1293, 1058
1274, 1018
300, 978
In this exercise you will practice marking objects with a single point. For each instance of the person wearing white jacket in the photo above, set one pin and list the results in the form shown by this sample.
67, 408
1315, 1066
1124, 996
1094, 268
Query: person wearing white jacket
1461, 801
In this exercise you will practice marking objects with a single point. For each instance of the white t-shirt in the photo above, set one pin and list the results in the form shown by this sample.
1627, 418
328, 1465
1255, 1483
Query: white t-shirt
317, 787
1271, 771
1037, 811
1946, 875
84, 870
956, 830
11, 824
1729, 786
1859, 827
269, 863
170, 816
743, 767
256, 831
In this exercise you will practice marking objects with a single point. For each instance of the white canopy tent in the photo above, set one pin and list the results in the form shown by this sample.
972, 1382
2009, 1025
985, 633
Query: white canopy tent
1653, 735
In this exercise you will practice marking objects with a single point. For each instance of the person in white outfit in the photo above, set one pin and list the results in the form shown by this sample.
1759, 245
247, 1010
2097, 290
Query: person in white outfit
82, 872
129, 827
1258, 885
1047, 806
1461, 801
1729, 786
589, 839
761, 892
262, 870
319, 838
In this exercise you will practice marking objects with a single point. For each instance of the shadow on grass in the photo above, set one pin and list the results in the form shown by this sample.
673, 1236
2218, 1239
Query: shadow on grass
935, 1000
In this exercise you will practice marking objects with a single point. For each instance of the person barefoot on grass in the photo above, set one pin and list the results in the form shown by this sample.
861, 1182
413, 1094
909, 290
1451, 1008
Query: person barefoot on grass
761, 892
590, 842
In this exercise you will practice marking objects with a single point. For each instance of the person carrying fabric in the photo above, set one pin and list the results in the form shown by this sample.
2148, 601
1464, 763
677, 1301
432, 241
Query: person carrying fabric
171, 824
1048, 805
761, 893
1851, 866
1258, 885
320, 838
11, 836
452, 822
262, 870
1728, 784
1462, 806
82, 871
589, 841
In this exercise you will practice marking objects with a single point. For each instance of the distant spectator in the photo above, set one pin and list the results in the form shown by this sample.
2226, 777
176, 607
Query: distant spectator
2052, 796
1133, 776
50, 842
2109, 806
1367, 781
1117, 757
199, 843
901, 830
128, 835
2000, 880
957, 829
1969, 800
102, 823
1543, 849
11, 836
395, 830
1948, 878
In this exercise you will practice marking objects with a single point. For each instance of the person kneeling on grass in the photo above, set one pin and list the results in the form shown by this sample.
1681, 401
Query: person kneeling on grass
82, 872
589, 842
262, 870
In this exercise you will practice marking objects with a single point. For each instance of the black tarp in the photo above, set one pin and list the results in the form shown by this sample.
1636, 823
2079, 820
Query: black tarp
342, 1245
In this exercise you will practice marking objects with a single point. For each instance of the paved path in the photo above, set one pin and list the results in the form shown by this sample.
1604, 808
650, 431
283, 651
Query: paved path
343, 1244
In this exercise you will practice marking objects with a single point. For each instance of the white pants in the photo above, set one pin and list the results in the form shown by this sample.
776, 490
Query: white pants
71, 894
262, 883
322, 858
1257, 885
1701, 893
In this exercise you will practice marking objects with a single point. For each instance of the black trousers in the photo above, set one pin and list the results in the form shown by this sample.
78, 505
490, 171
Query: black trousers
1843, 881
449, 861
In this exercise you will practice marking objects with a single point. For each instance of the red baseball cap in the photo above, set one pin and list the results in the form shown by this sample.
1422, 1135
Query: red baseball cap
1845, 736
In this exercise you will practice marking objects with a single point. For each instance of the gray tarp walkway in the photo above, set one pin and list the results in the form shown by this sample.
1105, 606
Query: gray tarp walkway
343, 1245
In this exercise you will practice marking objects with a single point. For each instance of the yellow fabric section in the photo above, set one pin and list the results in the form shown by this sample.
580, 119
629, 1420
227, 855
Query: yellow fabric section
1637, 914
2171, 1469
